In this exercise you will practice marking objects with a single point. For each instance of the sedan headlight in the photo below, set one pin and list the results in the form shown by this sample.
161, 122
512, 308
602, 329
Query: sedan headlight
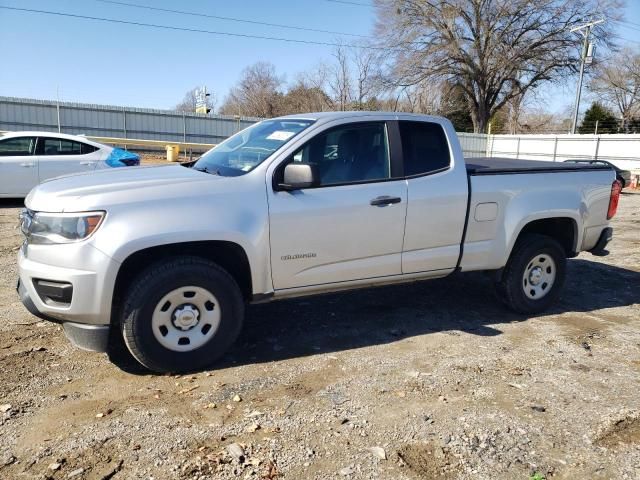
54, 228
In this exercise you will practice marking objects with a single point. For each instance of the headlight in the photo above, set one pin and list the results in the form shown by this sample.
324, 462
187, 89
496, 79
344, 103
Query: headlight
52, 228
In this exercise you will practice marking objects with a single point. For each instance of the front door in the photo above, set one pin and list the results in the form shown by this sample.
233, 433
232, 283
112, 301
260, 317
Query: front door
18, 166
351, 225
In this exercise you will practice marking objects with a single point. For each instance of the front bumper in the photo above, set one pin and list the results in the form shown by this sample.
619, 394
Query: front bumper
72, 285
81, 291
87, 337
29, 305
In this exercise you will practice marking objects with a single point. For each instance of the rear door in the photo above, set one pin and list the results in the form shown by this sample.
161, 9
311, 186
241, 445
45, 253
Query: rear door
437, 205
350, 227
61, 156
18, 166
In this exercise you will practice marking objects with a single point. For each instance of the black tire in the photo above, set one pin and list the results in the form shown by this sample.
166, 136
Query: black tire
511, 287
157, 281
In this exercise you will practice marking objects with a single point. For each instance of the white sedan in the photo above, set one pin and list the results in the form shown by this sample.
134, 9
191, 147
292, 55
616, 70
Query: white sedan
29, 158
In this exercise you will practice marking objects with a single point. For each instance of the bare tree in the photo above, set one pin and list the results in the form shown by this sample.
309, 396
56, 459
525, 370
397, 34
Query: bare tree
339, 80
367, 77
258, 93
302, 98
351, 80
617, 82
496, 50
428, 96
317, 80
188, 103
514, 113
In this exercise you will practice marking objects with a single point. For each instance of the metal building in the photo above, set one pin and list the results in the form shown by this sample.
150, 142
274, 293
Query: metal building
120, 122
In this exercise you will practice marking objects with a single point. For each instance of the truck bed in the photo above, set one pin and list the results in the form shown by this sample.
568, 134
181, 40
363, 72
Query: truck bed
503, 166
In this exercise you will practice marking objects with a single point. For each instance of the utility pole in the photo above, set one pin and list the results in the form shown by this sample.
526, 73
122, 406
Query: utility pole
58, 107
585, 31
201, 100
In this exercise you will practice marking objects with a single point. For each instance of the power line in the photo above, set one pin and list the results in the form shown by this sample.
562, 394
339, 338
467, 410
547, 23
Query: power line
627, 39
192, 30
624, 25
346, 2
628, 22
213, 32
230, 19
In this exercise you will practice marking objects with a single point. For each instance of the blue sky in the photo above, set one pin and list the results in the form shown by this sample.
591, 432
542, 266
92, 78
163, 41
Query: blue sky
95, 62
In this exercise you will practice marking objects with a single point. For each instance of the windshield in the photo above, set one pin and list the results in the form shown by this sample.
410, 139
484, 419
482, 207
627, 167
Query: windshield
247, 149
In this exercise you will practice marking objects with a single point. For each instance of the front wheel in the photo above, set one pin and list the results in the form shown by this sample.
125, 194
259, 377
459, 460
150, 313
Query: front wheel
181, 315
534, 274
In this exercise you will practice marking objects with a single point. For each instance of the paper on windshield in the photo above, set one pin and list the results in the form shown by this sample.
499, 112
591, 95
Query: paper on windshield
281, 135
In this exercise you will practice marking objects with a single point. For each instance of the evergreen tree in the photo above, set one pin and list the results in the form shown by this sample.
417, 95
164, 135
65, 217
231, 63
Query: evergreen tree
607, 122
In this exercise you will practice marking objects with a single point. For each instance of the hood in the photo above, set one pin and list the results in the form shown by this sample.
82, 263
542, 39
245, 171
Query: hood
101, 188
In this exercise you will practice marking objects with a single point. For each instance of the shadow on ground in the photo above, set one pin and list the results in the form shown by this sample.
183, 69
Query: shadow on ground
343, 321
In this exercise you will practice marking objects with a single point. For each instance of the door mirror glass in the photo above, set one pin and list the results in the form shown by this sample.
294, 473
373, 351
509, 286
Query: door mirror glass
299, 175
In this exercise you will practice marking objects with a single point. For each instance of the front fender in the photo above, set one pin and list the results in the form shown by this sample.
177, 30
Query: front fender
131, 228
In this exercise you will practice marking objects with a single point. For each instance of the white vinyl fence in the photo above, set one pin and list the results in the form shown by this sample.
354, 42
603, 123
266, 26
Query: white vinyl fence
620, 149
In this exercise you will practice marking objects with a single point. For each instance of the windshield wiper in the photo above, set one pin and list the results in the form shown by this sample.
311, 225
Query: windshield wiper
207, 170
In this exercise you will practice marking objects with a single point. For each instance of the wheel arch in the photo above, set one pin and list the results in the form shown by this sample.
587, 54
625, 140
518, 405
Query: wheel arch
561, 228
228, 255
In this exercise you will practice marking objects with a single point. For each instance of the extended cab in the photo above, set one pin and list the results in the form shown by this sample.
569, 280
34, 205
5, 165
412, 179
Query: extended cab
167, 256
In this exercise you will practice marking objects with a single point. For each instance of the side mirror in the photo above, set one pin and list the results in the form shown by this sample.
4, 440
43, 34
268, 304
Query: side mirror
299, 175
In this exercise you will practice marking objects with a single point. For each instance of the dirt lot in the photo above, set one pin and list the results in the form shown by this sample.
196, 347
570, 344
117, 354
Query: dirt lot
431, 380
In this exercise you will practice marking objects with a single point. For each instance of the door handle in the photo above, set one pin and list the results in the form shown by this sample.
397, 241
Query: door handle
87, 163
27, 164
384, 200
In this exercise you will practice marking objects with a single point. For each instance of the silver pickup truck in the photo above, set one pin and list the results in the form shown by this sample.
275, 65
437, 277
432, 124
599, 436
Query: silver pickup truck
168, 256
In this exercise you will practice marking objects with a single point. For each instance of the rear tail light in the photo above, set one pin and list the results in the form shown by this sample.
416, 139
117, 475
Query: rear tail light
616, 188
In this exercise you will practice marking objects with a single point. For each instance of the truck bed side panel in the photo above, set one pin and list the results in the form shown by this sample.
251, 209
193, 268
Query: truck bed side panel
501, 206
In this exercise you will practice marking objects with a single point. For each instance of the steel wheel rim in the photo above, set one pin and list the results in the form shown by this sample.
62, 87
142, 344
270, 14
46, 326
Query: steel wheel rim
539, 276
185, 318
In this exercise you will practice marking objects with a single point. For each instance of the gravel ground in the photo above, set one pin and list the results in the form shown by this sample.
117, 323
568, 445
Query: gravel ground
399, 382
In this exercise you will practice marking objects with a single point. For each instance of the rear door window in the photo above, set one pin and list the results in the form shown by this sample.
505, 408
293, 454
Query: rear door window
61, 146
424, 148
86, 148
17, 146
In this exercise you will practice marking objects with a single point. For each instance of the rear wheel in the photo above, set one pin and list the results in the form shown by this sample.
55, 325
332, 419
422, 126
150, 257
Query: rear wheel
181, 315
534, 274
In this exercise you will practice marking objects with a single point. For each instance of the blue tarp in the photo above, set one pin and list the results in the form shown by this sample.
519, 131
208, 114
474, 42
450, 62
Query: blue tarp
122, 158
